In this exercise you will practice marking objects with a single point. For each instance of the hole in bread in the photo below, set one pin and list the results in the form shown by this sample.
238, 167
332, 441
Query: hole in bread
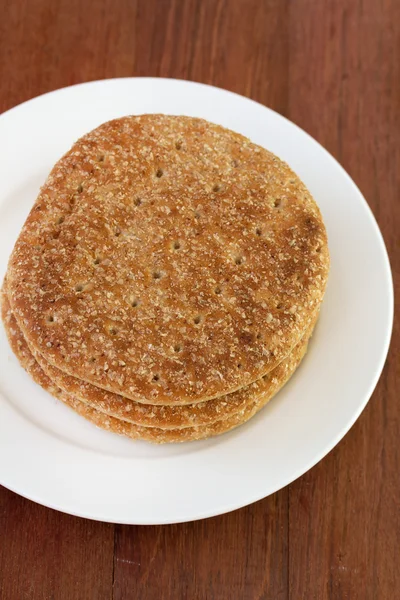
197, 319
159, 173
216, 187
117, 233
50, 319
113, 330
101, 158
277, 202
239, 366
239, 260
176, 245
258, 231
83, 287
138, 201
217, 290
60, 220
259, 336
178, 145
318, 249
235, 163
279, 306
97, 260
157, 275
156, 377
79, 189
177, 348
134, 302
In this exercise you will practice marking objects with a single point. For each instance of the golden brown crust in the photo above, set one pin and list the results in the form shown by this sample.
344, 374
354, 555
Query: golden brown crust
166, 417
152, 434
183, 260
169, 417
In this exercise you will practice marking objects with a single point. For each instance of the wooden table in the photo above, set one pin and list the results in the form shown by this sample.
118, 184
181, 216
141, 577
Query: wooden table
333, 67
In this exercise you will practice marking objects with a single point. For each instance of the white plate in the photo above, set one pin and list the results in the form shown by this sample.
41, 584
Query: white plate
52, 456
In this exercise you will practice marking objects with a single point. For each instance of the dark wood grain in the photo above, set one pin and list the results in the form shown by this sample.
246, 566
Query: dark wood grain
241, 555
333, 67
45, 554
345, 513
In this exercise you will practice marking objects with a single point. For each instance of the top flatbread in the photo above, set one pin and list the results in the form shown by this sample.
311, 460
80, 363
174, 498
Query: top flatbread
167, 257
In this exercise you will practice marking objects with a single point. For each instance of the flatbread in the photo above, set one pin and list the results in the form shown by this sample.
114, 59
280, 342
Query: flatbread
168, 260
168, 417
165, 417
151, 434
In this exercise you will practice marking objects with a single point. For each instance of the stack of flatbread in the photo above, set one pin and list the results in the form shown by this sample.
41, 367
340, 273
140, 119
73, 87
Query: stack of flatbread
168, 278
